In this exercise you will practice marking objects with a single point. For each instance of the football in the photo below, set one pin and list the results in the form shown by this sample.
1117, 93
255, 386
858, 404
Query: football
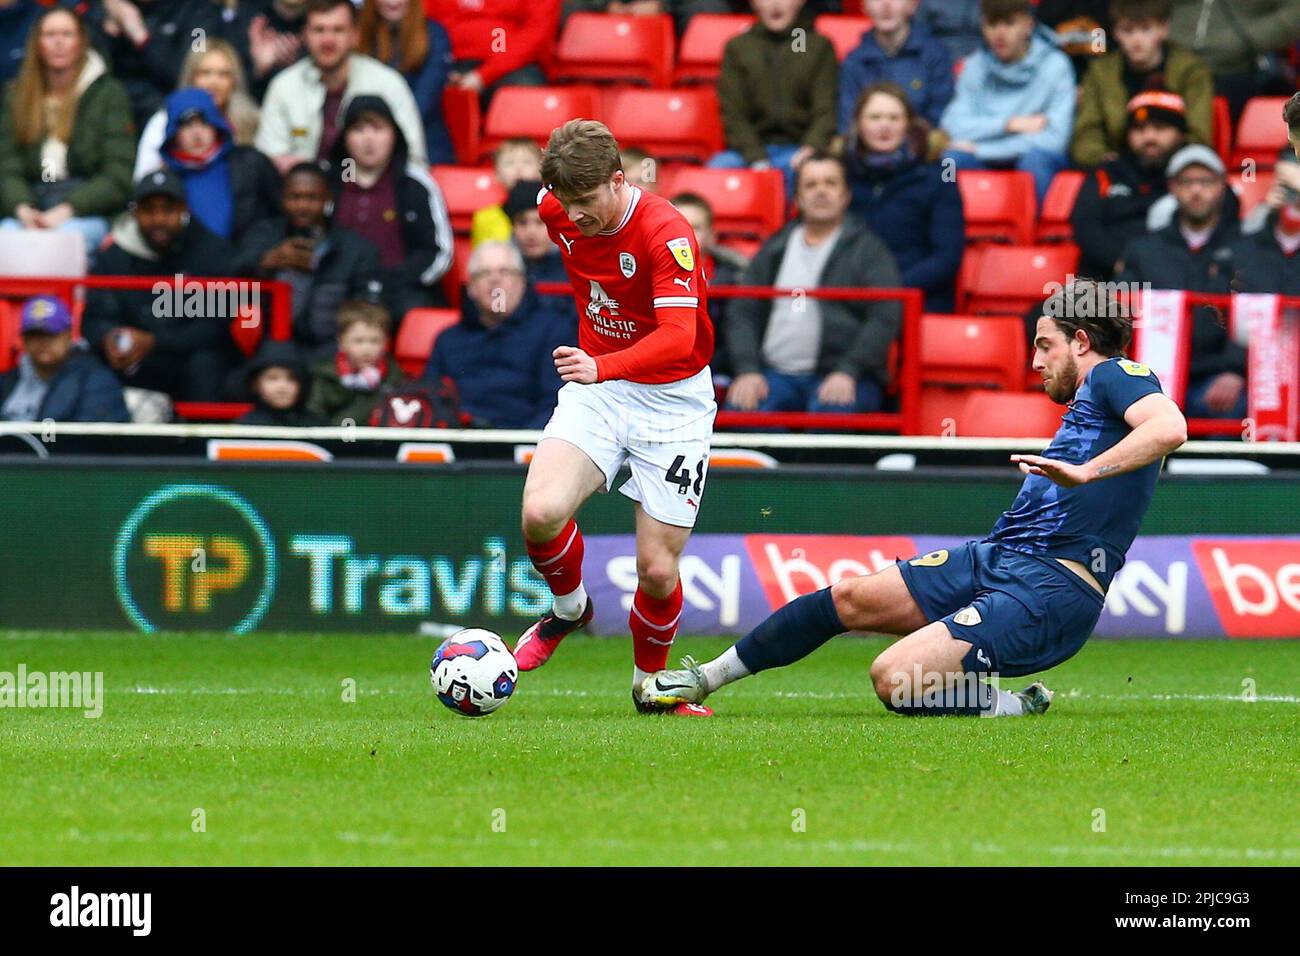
473, 672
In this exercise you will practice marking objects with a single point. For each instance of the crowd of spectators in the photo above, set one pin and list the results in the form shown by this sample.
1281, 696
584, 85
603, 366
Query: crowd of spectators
293, 140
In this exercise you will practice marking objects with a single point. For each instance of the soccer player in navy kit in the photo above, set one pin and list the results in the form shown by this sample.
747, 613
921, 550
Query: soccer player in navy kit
1026, 597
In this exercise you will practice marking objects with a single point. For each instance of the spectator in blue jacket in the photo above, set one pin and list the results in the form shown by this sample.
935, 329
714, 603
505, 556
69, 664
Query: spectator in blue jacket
1014, 107
898, 48
396, 33
53, 380
954, 23
16, 19
542, 261
909, 203
499, 355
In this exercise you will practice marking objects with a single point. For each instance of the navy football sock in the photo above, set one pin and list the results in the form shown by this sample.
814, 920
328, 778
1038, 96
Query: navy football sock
951, 701
792, 633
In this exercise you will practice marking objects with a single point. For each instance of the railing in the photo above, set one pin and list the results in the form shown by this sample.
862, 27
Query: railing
905, 421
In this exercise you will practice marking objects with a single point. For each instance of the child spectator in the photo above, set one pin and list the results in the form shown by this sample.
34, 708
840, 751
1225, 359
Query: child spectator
542, 261
1145, 60
514, 159
901, 49
392, 202
348, 386
1014, 107
640, 169
66, 137
777, 89
230, 188
280, 386
396, 33
216, 69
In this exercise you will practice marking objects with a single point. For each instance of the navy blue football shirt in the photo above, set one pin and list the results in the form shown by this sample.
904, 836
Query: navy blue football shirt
1094, 523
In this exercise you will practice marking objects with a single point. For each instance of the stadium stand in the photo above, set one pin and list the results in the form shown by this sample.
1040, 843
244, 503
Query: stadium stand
844, 31
415, 339
601, 47
1000, 205
1054, 223
1261, 133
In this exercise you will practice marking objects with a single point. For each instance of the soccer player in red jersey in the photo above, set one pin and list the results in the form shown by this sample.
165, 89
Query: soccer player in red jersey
638, 392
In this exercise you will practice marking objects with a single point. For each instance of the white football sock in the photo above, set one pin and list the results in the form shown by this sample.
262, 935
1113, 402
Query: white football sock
570, 606
638, 676
723, 670
1006, 704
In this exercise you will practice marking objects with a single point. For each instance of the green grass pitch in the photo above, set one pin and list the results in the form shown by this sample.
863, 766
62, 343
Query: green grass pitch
803, 766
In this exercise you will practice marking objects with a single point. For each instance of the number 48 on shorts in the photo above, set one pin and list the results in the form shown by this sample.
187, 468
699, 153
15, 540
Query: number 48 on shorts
680, 475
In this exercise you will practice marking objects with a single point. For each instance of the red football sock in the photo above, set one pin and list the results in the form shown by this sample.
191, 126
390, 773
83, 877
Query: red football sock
654, 625
559, 560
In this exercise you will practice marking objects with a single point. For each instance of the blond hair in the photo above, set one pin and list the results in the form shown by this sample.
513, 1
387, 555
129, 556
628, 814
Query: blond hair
242, 111
580, 156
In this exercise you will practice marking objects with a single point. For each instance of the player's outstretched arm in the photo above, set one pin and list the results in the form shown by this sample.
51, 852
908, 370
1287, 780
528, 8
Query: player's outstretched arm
1158, 428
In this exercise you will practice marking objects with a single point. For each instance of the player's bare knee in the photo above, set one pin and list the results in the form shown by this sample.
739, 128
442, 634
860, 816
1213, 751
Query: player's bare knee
542, 521
885, 678
657, 574
854, 604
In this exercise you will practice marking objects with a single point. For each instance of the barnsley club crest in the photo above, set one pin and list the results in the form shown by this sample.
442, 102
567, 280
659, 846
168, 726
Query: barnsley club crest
627, 264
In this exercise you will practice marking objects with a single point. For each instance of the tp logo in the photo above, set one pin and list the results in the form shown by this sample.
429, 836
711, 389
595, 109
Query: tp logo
193, 555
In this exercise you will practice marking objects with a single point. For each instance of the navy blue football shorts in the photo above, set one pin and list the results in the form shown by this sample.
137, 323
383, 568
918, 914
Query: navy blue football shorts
1021, 613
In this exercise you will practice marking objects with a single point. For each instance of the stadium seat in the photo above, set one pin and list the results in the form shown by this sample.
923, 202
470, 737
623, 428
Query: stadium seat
1221, 128
941, 408
1009, 279
1054, 224
1261, 133
1251, 192
966, 274
467, 189
10, 340
618, 48
1000, 205
746, 203
973, 350
531, 112
459, 271
844, 32
419, 330
464, 119
699, 57
991, 414
668, 124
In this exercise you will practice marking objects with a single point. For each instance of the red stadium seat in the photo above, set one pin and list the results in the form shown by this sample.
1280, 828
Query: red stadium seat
1000, 205
941, 408
615, 48
1251, 192
1009, 279
458, 273
1221, 128
844, 32
1261, 133
990, 414
745, 202
1054, 224
467, 189
667, 124
464, 119
699, 58
420, 328
531, 112
973, 350
10, 340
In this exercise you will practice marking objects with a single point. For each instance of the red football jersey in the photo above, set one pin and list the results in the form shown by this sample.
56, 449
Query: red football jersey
640, 290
